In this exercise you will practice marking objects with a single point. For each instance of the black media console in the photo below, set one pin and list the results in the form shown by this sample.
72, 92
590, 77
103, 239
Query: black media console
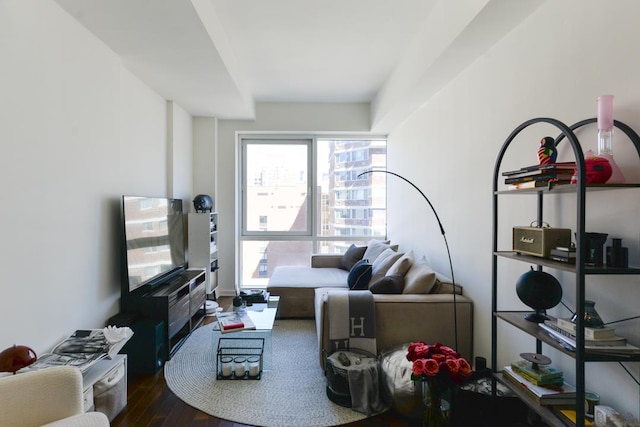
178, 306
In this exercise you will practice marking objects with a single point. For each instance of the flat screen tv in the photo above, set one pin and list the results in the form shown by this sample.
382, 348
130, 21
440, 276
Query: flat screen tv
154, 244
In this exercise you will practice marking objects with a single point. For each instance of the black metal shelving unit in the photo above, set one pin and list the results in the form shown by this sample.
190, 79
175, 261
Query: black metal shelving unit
515, 318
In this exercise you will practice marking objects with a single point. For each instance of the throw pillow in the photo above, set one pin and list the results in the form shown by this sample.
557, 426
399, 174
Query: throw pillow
383, 262
420, 278
402, 265
388, 285
375, 248
351, 256
359, 275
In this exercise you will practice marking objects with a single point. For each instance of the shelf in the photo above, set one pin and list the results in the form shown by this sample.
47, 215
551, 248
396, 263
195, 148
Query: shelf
566, 188
544, 411
516, 318
565, 266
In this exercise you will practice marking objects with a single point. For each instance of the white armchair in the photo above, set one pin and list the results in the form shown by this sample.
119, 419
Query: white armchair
49, 397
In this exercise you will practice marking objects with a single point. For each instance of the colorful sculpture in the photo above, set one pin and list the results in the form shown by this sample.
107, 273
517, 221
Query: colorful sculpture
547, 153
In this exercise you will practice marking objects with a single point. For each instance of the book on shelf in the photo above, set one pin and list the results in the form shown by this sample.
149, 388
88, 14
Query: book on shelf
84, 348
564, 394
558, 166
539, 374
566, 248
233, 321
608, 341
563, 256
542, 171
604, 346
569, 415
589, 333
537, 184
562, 253
539, 177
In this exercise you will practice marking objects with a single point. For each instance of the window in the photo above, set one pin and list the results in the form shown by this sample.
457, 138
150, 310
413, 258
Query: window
311, 194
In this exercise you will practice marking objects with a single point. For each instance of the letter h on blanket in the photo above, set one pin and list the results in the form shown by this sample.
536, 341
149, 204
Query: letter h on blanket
352, 322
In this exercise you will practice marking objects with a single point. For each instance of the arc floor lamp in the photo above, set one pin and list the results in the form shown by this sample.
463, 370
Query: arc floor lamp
444, 237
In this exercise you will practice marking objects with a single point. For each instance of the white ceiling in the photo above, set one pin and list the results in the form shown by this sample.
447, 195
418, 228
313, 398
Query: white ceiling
219, 57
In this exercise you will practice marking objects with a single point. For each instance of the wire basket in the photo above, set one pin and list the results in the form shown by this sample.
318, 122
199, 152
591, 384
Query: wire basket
239, 358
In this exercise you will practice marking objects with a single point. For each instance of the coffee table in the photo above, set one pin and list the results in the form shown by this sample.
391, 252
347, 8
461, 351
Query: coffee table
263, 316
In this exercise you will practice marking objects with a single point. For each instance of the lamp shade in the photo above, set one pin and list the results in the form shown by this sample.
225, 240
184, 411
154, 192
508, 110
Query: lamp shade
540, 291
16, 357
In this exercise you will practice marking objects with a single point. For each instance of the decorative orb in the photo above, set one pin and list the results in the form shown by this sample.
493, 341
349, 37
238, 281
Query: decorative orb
203, 203
540, 291
15, 358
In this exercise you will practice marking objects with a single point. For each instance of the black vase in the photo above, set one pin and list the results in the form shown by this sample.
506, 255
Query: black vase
595, 248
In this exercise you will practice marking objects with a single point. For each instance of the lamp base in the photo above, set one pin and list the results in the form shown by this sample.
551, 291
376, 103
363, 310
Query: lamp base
537, 317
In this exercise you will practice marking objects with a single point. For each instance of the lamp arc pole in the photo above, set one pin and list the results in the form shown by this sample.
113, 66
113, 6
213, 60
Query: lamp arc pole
444, 237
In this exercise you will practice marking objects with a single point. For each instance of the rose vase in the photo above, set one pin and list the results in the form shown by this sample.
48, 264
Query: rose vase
436, 409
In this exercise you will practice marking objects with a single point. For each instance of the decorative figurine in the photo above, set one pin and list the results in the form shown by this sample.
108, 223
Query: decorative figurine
547, 153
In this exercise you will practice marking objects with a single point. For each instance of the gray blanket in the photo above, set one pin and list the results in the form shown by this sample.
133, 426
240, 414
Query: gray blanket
353, 327
353, 320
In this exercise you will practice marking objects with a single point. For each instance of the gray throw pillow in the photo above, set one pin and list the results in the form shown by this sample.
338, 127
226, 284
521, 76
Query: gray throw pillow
383, 262
351, 256
388, 285
359, 276
420, 278
374, 248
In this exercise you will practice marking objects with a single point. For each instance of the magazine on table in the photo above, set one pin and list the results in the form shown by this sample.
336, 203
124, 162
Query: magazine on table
234, 321
84, 348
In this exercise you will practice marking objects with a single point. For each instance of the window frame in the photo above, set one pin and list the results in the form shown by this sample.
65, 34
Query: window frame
314, 215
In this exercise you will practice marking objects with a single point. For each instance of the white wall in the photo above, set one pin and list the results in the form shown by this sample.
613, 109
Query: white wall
205, 131
78, 132
180, 158
270, 117
554, 64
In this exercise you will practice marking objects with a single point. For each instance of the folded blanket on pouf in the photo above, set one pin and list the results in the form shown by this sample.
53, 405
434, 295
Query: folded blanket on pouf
353, 336
353, 320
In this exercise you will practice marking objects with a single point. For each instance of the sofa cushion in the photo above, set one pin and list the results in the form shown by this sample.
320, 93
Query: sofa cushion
420, 278
383, 262
443, 286
351, 256
359, 275
393, 284
295, 276
374, 248
402, 265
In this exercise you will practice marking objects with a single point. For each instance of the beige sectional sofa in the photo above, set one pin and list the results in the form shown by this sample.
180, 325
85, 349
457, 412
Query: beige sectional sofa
424, 311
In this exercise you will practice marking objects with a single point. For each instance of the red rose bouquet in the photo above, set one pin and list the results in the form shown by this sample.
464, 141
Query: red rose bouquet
439, 367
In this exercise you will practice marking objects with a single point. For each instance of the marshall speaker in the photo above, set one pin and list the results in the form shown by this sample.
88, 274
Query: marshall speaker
539, 241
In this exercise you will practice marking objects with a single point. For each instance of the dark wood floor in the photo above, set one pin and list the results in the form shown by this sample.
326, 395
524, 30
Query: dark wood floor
151, 403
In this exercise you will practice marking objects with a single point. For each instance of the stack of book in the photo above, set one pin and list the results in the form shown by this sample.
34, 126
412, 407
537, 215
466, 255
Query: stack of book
234, 321
539, 175
544, 384
595, 339
563, 254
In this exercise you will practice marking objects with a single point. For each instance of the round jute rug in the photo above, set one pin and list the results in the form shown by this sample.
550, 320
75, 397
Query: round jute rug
291, 394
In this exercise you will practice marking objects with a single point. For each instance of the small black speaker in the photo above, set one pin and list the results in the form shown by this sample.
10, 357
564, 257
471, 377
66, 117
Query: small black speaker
146, 350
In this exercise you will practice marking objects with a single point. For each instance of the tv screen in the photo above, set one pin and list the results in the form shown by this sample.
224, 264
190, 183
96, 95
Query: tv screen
153, 239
